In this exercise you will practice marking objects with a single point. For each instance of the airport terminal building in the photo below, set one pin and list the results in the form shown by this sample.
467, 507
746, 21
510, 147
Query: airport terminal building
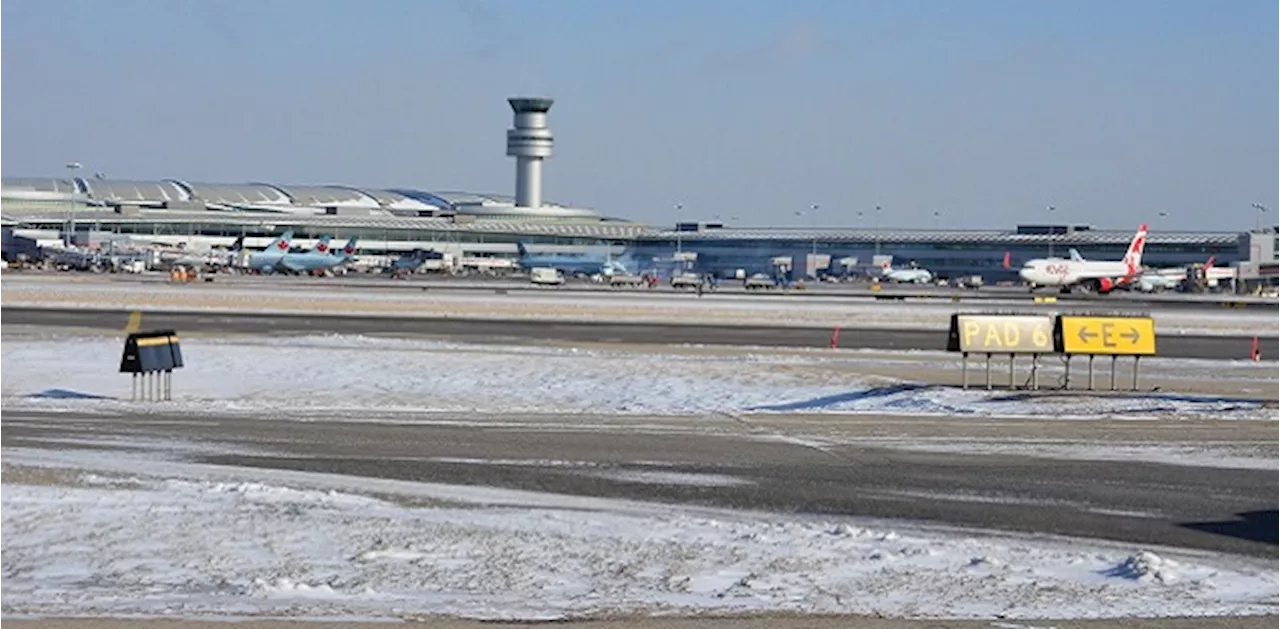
485, 225
481, 227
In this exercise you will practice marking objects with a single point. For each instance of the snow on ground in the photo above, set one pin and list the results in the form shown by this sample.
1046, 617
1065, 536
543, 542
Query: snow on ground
1235, 455
170, 539
792, 310
353, 374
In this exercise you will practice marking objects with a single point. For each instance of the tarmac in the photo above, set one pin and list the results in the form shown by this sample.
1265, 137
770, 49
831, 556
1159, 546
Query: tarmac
1145, 504
489, 330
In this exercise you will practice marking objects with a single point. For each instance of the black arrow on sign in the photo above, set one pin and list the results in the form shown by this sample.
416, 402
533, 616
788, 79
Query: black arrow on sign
1085, 335
1133, 336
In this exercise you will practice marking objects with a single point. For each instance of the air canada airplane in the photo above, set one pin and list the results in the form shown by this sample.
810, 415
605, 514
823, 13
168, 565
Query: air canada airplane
1090, 275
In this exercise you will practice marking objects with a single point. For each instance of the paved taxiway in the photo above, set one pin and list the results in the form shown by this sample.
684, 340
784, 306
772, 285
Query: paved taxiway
506, 331
852, 292
1231, 510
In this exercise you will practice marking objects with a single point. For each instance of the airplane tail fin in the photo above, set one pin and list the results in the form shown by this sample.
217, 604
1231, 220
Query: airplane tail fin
322, 245
1133, 258
238, 245
522, 249
281, 242
349, 249
1209, 263
1005, 263
1075, 255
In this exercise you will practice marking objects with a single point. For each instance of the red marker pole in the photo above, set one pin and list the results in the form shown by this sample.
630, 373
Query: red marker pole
835, 337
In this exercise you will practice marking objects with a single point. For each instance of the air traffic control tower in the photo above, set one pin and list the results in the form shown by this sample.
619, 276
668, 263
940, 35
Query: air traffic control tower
529, 142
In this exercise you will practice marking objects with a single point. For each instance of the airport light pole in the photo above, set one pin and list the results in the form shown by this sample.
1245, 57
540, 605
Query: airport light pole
679, 231
877, 230
1257, 218
72, 167
1051, 234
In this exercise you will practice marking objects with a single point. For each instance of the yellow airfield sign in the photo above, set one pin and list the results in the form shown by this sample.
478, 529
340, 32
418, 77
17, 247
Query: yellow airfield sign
1109, 336
1002, 334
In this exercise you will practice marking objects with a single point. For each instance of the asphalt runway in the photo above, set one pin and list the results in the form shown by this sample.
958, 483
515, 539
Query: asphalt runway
857, 291
1144, 504
508, 331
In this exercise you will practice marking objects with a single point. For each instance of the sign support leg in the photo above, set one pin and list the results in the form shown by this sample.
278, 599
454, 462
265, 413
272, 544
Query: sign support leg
1011, 357
1136, 359
1113, 372
1090, 372
1035, 377
133, 390
988, 372
964, 370
1066, 374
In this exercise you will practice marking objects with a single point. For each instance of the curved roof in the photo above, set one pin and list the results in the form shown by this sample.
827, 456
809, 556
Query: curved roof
136, 191
304, 199
329, 196
427, 198
238, 194
40, 184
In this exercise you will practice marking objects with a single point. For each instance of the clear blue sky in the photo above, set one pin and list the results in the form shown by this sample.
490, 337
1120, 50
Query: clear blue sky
985, 111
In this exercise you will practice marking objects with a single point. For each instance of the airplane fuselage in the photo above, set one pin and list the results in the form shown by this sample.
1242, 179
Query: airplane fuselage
1062, 273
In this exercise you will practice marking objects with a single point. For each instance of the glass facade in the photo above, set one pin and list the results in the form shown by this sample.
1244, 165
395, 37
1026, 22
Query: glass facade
723, 256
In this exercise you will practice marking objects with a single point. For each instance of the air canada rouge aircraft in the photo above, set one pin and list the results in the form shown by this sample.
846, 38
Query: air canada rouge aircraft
1090, 275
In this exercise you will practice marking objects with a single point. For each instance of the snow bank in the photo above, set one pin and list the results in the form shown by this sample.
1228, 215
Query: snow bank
181, 546
352, 376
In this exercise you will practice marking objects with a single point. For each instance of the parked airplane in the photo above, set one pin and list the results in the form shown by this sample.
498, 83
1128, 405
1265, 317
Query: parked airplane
319, 258
1169, 279
912, 275
1096, 275
267, 259
348, 251
413, 261
586, 264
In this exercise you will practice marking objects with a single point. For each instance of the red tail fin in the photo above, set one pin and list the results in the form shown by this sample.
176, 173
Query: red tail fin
1209, 263
1005, 264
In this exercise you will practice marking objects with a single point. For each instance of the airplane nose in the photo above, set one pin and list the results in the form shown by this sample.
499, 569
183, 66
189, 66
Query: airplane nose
1024, 273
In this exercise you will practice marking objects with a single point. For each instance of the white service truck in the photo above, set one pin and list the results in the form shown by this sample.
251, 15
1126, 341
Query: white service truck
546, 276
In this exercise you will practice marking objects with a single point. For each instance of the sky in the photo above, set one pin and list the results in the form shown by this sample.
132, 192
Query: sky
973, 114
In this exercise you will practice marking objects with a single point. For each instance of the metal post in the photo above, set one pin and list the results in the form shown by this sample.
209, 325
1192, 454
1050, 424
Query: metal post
1035, 378
133, 390
964, 370
1090, 372
1011, 357
988, 371
1135, 372
1113, 371
1066, 373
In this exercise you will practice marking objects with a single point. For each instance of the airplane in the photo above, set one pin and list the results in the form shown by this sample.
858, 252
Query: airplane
911, 275
1169, 279
412, 261
1097, 275
267, 259
318, 259
586, 264
348, 251
195, 256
